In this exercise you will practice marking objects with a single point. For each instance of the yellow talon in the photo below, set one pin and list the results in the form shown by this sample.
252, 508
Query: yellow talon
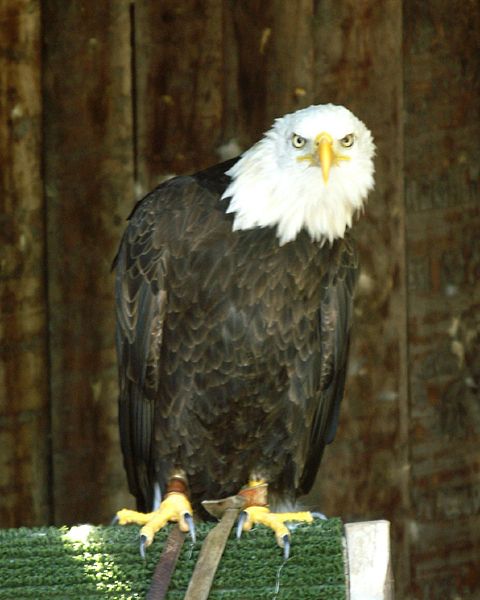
305, 516
256, 482
127, 516
275, 521
172, 509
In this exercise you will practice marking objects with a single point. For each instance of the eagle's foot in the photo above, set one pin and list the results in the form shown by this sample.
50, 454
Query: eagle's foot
276, 521
260, 514
175, 508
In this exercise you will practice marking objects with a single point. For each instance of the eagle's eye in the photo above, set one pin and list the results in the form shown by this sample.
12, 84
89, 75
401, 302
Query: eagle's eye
298, 141
348, 140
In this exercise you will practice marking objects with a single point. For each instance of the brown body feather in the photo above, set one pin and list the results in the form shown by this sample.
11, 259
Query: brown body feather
232, 349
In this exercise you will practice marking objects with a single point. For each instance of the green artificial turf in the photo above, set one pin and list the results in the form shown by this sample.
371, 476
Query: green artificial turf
104, 562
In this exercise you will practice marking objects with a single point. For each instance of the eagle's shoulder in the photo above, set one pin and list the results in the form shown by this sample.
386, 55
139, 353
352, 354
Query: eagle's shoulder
198, 192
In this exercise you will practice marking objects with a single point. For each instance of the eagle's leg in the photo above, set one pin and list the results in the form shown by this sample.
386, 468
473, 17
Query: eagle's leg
257, 511
174, 507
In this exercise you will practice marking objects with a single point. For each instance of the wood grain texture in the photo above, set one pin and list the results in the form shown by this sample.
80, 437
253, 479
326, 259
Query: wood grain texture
178, 86
442, 128
89, 185
273, 75
24, 461
365, 472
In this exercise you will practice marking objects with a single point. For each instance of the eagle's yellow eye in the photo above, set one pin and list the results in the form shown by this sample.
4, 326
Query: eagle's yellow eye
298, 141
348, 140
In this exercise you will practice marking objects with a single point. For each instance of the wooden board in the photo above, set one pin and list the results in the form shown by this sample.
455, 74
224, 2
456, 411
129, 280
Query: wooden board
24, 421
442, 128
89, 186
369, 567
178, 87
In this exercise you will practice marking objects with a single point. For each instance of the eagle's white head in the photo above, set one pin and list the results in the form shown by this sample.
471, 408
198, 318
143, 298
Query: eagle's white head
312, 170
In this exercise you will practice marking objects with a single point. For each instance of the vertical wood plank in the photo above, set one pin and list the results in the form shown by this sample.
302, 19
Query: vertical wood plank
178, 86
358, 55
442, 175
24, 464
89, 183
273, 75
227, 73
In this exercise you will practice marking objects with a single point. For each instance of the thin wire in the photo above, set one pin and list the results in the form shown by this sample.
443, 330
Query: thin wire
277, 581
191, 546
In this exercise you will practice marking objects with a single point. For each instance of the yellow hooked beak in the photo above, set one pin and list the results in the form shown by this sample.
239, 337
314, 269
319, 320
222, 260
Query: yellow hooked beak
326, 155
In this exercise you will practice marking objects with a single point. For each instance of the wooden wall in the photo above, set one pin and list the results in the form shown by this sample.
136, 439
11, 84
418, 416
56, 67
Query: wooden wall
99, 101
88, 169
25, 475
442, 208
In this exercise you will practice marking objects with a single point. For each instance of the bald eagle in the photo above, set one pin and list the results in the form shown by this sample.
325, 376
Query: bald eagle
234, 292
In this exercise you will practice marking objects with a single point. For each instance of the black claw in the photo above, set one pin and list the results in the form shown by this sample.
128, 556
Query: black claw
286, 547
143, 545
115, 520
241, 521
191, 526
319, 515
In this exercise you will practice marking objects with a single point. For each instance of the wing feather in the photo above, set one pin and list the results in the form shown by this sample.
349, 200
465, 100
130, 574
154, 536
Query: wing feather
330, 363
142, 266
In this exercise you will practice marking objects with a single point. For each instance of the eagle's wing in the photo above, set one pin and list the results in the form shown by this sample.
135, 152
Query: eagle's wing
334, 318
141, 266
141, 298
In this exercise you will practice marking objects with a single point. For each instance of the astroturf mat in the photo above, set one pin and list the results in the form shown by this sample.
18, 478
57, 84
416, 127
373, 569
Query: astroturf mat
104, 562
